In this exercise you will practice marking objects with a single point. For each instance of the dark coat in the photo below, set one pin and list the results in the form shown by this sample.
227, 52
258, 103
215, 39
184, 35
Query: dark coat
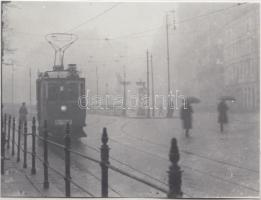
186, 116
222, 113
23, 113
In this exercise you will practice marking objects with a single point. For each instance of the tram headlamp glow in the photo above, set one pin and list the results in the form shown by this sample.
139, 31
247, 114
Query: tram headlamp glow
63, 108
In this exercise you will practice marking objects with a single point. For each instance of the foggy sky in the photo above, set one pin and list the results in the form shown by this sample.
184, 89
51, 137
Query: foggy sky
31, 21
118, 38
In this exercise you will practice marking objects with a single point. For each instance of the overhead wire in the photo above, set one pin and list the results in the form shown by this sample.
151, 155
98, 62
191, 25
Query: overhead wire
142, 32
208, 14
94, 17
134, 35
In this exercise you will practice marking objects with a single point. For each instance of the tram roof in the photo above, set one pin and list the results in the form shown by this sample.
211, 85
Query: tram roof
63, 74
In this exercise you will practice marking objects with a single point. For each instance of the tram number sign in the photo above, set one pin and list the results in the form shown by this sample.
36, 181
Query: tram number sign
60, 122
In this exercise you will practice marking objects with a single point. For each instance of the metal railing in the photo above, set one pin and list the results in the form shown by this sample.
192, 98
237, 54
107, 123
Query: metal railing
174, 172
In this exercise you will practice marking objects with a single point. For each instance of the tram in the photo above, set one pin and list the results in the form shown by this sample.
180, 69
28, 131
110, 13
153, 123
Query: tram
58, 92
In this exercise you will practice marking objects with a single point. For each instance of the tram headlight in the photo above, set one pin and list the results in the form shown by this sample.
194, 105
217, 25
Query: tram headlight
63, 108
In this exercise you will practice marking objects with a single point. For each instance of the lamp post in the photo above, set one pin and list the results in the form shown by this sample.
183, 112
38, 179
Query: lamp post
148, 86
124, 83
169, 113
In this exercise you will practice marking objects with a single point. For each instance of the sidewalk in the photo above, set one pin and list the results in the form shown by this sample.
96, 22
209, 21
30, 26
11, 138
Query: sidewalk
18, 182
15, 182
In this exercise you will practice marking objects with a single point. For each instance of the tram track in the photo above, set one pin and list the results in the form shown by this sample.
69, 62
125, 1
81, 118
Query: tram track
126, 134
191, 153
122, 127
139, 150
198, 156
186, 152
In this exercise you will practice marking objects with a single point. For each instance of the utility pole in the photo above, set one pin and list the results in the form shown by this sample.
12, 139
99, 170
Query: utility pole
3, 3
141, 92
152, 87
2, 43
124, 83
2, 40
13, 86
167, 40
124, 91
148, 86
3, 49
30, 89
97, 84
107, 90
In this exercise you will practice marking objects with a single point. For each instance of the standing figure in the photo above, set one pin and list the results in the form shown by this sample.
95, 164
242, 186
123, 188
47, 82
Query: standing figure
222, 114
161, 110
186, 117
23, 113
171, 109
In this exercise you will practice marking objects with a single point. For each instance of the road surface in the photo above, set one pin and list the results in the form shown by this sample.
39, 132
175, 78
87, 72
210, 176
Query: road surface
214, 164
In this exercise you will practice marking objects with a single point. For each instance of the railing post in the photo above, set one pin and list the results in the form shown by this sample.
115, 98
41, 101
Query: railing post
175, 178
45, 164
3, 140
67, 142
19, 141
33, 170
9, 132
13, 138
104, 162
5, 123
25, 144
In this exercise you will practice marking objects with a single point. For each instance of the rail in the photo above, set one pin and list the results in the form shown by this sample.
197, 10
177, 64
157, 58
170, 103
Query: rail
9, 124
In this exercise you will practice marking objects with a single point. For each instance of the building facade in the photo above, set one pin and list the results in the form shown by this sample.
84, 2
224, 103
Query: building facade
214, 52
241, 57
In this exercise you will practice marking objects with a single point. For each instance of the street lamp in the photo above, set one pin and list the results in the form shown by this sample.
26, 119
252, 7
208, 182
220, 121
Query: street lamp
169, 113
123, 82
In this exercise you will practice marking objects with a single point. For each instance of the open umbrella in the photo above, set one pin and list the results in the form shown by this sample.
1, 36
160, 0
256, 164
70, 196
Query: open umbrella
193, 100
228, 98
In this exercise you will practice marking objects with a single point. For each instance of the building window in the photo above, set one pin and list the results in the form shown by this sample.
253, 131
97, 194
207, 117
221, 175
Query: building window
247, 97
250, 101
234, 73
240, 71
257, 97
249, 24
247, 71
243, 70
247, 46
253, 98
243, 98
237, 72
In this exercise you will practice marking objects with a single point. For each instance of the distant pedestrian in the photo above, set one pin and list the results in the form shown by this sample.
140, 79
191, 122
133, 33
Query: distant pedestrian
171, 109
222, 114
23, 113
160, 110
186, 117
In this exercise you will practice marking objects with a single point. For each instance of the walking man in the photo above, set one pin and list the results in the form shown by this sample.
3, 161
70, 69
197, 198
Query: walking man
186, 117
222, 114
23, 113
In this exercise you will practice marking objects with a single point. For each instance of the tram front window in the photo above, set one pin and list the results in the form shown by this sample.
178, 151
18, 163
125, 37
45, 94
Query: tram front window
66, 92
52, 92
70, 92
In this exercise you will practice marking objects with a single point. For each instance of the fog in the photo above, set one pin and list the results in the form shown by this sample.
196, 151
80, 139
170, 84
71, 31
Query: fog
114, 35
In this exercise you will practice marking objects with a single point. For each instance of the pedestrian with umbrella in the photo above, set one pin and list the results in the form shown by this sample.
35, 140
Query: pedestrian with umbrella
222, 111
23, 113
186, 114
